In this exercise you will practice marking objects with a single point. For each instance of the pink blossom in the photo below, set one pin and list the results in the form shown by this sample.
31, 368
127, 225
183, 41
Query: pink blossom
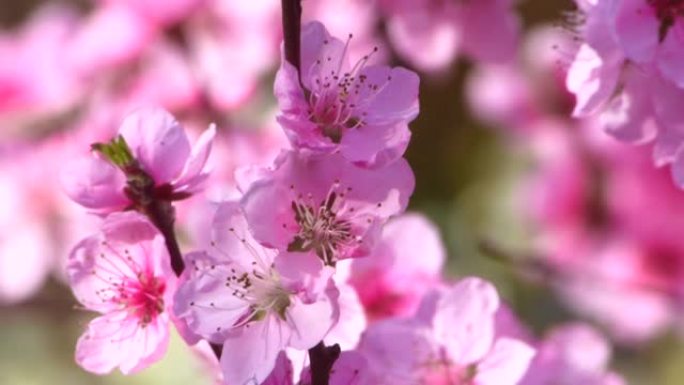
628, 72
25, 243
522, 96
362, 111
35, 77
165, 78
35, 222
651, 33
325, 204
123, 273
253, 300
456, 344
572, 354
405, 264
94, 48
156, 12
430, 34
159, 146
587, 199
231, 46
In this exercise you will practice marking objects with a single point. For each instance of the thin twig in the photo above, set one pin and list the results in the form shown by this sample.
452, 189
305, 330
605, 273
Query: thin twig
292, 23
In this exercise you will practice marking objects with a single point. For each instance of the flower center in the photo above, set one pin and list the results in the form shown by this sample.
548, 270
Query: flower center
322, 228
337, 100
143, 297
442, 371
262, 290
129, 285
261, 287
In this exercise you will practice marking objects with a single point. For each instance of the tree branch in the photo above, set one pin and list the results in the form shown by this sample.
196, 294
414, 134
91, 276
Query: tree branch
292, 24
321, 359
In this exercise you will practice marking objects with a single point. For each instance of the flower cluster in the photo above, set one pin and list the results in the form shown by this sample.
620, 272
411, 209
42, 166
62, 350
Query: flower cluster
285, 255
628, 71
67, 80
312, 254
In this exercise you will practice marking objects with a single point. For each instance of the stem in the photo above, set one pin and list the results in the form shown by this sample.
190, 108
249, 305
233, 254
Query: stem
321, 359
292, 23
162, 214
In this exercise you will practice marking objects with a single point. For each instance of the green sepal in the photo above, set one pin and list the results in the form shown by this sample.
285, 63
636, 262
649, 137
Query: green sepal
116, 151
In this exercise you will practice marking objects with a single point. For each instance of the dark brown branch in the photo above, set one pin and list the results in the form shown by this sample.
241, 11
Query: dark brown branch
292, 23
162, 214
321, 359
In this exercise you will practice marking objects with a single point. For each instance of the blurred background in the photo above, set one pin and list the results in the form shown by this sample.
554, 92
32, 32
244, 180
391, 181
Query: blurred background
569, 223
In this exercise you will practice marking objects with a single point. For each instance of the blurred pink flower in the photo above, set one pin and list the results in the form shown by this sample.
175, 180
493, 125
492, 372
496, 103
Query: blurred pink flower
406, 263
123, 273
231, 45
26, 254
35, 76
95, 47
157, 12
430, 34
521, 96
588, 200
627, 70
572, 354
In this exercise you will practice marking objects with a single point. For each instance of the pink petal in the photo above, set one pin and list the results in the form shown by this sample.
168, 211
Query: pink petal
95, 184
464, 320
394, 349
637, 27
397, 98
490, 30
158, 142
204, 302
628, 116
114, 341
250, 353
194, 173
505, 364
322, 51
351, 368
233, 239
282, 373
352, 323
375, 146
678, 168
94, 48
311, 322
671, 54
26, 259
592, 79
429, 40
